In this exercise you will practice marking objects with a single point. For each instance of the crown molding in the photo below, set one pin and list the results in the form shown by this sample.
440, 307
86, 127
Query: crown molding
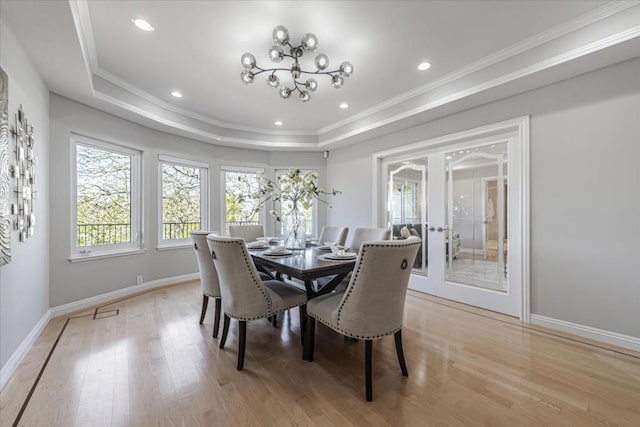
505, 78
539, 39
224, 133
84, 29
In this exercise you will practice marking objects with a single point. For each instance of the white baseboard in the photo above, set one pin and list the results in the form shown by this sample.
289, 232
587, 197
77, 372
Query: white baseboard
26, 344
613, 338
120, 293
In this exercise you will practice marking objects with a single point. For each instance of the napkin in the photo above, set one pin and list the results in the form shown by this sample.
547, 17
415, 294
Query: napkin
329, 243
258, 244
337, 251
278, 249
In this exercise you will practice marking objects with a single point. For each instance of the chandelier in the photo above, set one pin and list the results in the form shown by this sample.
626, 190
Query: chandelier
283, 48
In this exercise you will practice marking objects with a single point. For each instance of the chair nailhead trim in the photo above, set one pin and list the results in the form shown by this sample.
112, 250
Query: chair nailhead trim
353, 282
352, 335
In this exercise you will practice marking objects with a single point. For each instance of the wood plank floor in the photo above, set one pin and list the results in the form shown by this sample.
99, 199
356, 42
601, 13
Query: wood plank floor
151, 364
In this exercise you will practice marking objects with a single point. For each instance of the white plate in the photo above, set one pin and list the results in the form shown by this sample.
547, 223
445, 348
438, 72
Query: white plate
269, 253
328, 248
258, 245
347, 256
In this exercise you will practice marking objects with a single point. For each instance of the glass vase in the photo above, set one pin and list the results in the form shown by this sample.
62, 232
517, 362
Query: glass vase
294, 229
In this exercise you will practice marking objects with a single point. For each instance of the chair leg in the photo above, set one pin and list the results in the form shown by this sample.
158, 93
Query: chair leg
205, 303
309, 339
400, 353
216, 320
225, 330
274, 320
368, 347
242, 327
303, 320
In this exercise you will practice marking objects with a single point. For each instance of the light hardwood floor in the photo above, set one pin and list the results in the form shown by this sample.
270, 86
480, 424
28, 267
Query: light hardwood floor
152, 364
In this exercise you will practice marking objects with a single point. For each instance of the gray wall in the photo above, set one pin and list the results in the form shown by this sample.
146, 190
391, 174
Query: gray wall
75, 281
585, 203
24, 283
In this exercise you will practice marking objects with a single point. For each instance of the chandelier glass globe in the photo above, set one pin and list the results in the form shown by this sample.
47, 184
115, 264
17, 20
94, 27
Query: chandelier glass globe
273, 81
285, 92
281, 35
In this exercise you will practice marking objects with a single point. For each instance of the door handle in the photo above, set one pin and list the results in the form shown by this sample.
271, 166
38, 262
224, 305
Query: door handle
432, 228
441, 229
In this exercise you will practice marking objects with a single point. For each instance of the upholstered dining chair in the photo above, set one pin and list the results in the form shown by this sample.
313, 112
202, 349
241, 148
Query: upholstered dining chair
248, 232
329, 233
372, 307
362, 234
208, 277
244, 296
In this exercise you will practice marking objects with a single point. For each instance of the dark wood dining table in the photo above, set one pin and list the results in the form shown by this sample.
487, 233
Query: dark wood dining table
306, 266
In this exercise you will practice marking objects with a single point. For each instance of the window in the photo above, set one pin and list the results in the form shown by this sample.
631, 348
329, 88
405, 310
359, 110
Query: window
310, 213
183, 199
106, 203
238, 208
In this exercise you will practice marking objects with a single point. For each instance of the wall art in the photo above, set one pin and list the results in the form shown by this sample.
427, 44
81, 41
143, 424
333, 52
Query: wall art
23, 173
5, 186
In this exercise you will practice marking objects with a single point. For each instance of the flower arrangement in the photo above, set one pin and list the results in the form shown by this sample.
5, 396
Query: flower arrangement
292, 190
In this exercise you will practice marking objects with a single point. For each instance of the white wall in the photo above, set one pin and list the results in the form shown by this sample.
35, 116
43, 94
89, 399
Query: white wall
75, 281
24, 282
585, 203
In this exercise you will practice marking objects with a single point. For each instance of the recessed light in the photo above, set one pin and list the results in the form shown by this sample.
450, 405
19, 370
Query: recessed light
424, 66
176, 94
143, 24
344, 105
278, 123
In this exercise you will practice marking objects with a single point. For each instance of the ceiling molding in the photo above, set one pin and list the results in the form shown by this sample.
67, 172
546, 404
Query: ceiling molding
84, 28
503, 79
506, 53
263, 139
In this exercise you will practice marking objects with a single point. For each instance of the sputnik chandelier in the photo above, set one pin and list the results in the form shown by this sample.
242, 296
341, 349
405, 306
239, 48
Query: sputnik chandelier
278, 52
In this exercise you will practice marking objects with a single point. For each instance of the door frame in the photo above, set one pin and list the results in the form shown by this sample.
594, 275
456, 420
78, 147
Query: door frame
517, 128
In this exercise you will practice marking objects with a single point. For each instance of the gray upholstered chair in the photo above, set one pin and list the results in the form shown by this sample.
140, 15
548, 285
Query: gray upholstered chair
360, 234
338, 235
246, 297
372, 307
208, 277
248, 232
364, 234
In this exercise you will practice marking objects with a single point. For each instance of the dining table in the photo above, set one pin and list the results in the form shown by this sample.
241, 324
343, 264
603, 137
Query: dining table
307, 265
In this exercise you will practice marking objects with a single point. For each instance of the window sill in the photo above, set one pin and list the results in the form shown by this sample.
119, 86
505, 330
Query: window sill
102, 255
170, 247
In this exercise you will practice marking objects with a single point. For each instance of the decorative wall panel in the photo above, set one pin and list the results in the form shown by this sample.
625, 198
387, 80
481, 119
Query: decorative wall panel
23, 173
5, 187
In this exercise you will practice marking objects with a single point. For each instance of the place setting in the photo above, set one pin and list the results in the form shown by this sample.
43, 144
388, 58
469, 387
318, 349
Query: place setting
277, 251
338, 254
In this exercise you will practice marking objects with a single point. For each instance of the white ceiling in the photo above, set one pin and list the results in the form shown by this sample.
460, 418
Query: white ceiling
91, 52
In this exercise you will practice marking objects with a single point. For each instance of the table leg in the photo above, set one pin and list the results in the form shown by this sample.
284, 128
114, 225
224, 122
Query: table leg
308, 286
329, 287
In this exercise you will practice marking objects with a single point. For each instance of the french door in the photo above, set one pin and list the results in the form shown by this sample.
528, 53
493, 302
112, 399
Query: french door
464, 201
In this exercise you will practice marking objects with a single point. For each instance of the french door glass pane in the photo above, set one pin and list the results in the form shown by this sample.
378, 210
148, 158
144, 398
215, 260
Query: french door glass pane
407, 184
477, 216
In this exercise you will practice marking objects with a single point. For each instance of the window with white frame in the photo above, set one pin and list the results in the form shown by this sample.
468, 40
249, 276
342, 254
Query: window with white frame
310, 213
106, 204
183, 199
239, 208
